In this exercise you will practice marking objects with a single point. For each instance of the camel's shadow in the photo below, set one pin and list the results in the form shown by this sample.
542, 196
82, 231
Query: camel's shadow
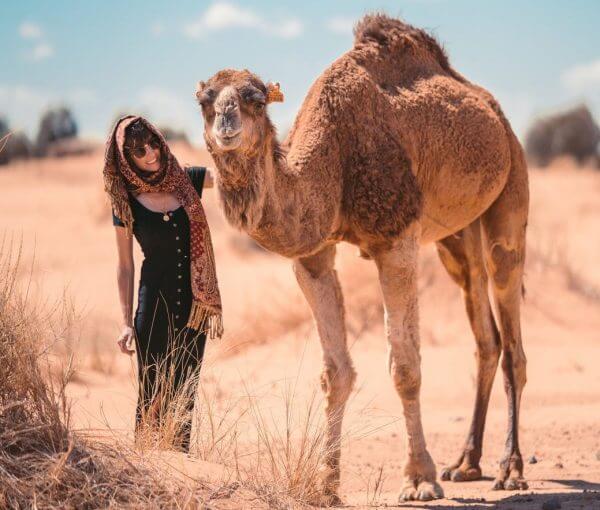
588, 499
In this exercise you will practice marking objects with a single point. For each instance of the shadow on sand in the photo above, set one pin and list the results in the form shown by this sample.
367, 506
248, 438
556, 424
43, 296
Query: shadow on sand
585, 496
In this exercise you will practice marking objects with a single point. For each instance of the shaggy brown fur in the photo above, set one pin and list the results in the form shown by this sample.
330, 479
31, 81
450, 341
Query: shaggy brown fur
392, 148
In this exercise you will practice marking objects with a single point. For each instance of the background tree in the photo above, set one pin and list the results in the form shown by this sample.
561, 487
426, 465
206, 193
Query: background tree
569, 133
56, 124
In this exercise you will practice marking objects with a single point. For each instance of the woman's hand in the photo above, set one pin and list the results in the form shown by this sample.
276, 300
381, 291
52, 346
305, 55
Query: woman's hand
125, 340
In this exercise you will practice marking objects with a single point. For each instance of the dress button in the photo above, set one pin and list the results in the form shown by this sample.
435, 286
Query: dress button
178, 250
174, 224
178, 302
179, 265
176, 238
179, 276
177, 316
178, 290
176, 329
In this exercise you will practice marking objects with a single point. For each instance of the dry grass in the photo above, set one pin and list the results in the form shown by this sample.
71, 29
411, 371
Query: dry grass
43, 464
4, 141
285, 457
553, 254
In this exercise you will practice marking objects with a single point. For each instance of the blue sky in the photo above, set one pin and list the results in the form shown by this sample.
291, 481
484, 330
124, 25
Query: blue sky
103, 57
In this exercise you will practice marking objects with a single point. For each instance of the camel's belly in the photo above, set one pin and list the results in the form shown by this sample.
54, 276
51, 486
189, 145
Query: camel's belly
453, 208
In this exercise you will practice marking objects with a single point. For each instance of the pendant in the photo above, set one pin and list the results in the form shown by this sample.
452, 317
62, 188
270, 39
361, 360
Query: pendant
166, 217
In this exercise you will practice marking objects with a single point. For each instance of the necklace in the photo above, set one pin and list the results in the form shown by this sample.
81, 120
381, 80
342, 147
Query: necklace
164, 208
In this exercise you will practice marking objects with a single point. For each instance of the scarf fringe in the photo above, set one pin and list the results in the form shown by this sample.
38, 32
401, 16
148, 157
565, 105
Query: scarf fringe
206, 320
119, 204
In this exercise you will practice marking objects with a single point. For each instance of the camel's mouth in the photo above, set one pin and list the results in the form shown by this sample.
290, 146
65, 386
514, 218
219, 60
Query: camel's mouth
229, 142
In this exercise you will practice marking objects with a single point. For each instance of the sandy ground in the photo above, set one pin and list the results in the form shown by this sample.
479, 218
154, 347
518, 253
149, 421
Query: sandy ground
58, 210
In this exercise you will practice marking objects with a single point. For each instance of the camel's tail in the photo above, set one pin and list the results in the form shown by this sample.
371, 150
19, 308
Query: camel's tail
390, 34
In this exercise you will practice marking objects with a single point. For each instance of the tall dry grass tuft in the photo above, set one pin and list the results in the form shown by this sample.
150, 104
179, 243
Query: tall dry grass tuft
43, 464
164, 420
283, 462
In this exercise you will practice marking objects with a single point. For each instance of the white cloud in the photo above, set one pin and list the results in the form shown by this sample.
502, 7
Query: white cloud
42, 51
583, 77
29, 30
223, 15
288, 29
341, 25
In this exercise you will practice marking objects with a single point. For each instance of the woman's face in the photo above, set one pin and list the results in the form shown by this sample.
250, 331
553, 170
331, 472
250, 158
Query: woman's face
147, 156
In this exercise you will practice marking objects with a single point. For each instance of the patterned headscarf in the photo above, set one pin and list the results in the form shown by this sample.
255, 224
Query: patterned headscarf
119, 176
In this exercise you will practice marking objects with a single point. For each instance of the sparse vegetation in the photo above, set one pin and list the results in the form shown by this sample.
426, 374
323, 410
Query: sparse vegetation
43, 464
573, 133
56, 125
13, 145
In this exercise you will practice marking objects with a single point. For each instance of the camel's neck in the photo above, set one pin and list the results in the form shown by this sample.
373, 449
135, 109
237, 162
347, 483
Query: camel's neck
277, 207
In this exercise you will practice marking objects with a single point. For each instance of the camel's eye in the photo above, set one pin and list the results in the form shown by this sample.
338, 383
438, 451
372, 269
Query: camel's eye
251, 94
207, 96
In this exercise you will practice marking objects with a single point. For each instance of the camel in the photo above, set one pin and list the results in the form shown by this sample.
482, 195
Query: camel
391, 149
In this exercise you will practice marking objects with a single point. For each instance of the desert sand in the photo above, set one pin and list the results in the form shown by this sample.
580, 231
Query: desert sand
58, 212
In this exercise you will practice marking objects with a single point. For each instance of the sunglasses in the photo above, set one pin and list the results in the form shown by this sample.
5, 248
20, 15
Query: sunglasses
140, 152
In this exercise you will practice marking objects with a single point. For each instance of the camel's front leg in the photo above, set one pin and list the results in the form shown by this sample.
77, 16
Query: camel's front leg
319, 283
398, 278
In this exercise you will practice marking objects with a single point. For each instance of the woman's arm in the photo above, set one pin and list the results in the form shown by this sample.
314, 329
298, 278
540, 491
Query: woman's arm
209, 180
125, 275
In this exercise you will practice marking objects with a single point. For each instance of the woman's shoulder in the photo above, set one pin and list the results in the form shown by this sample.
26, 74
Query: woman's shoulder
197, 174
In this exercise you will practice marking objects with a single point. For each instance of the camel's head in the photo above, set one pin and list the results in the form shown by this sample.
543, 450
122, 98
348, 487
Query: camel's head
233, 105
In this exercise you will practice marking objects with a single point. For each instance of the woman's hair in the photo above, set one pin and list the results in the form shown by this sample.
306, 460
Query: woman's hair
136, 135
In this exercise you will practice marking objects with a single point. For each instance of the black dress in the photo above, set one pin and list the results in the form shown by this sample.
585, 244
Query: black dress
165, 346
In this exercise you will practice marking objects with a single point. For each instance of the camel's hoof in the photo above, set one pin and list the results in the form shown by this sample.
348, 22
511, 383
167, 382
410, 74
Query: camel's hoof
498, 485
325, 499
516, 484
425, 491
407, 494
461, 474
512, 484
510, 477
329, 478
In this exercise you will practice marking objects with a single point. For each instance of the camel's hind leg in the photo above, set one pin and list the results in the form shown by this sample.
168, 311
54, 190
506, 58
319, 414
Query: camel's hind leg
462, 256
398, 277
504, 225
319, 283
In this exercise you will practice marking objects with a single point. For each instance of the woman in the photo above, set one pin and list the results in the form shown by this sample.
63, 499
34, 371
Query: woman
158, 202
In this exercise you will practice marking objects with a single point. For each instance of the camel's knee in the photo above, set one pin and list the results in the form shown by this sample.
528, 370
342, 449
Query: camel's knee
505, 263
488, 354
406, 376
337, 382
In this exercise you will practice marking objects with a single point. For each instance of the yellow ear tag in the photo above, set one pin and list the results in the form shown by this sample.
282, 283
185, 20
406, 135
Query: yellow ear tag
274, 94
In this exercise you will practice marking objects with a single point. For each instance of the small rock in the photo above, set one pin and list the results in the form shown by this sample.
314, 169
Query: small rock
559, 465
533, 460
598, 455
551, 504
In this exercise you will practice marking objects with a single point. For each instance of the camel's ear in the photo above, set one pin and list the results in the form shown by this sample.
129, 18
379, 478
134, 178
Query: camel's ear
199, 88
274, 94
